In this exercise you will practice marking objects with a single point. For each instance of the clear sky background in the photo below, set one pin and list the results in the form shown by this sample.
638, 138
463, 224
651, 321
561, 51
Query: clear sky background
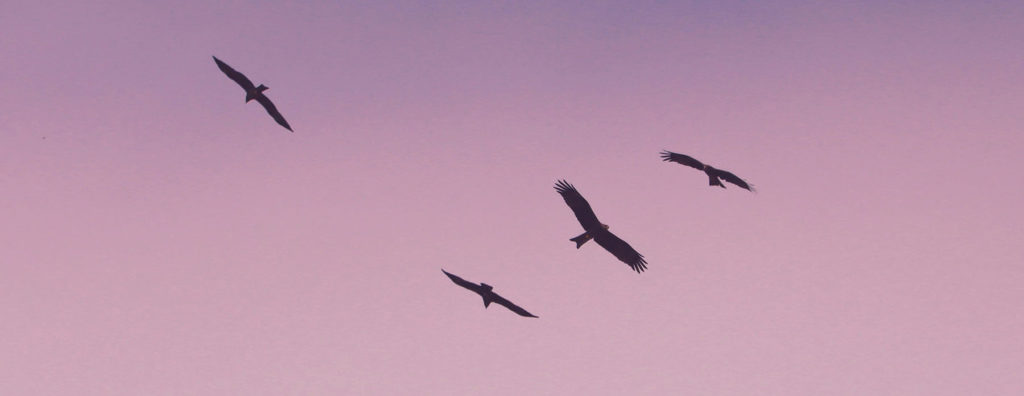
160, 237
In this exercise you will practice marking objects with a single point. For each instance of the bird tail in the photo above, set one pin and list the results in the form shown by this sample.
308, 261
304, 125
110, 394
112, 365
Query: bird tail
262, 88
713, 181
487, 302
581, 239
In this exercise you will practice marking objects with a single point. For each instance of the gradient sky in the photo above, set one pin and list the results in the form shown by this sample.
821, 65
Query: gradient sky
160, 237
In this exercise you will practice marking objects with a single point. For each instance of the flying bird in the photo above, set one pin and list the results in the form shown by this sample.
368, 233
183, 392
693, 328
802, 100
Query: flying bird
253, 92
715, 176
484, 290
594, 229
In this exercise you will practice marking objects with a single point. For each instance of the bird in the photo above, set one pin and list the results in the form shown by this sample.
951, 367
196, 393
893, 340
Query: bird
594, 229
485, 291
253, 92
715, 176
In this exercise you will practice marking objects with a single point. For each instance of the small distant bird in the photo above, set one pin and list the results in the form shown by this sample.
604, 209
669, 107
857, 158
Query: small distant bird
596, 230
484, 290
713, 174
253, 92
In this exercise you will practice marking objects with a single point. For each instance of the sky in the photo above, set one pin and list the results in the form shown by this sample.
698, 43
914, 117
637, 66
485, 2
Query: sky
161, 237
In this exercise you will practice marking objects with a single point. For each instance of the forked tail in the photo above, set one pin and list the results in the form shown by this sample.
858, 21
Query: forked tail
713, 181
581, 239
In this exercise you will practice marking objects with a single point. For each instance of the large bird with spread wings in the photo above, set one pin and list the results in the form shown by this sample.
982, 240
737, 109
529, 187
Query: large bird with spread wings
715, 176
484, 290
594, 229
253, 92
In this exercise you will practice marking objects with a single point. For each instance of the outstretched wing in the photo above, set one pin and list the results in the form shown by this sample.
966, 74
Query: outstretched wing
267, 104
495, 298
621, 250
731, 178
682, 159
234, 75
462, 282
579, 205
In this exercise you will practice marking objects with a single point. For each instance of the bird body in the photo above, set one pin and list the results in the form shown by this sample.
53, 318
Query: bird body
252, 92
584, 237
596, 230
485, 288
713, 176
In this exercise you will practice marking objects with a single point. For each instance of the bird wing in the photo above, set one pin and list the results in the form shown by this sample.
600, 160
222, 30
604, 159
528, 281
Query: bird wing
579, 205
495, 298
235, 75
267, 104
462, 282
682, 159
731, 178
621, 250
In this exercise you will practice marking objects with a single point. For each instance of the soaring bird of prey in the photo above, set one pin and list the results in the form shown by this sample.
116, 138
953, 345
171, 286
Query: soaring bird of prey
484, 290
594, 229
715, 176
253, 92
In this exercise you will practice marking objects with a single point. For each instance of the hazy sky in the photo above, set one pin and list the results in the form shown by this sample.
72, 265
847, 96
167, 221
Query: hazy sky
160, 237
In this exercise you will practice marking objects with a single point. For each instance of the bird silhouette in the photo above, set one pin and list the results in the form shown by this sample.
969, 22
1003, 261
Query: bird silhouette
485, 291
594, 229
253, 92
715, 176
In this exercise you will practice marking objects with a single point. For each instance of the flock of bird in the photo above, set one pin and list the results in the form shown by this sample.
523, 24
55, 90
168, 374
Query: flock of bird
592, 227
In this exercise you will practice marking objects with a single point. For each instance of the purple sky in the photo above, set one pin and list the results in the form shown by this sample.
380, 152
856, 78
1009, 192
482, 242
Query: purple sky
160, 237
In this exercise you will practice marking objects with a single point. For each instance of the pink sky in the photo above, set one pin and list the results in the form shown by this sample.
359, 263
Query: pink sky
160, 237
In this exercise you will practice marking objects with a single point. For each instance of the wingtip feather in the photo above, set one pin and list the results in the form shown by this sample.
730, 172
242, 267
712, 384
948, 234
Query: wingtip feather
562, 186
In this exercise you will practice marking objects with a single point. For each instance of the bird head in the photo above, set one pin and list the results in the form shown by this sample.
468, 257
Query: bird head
486, 286
605, 226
